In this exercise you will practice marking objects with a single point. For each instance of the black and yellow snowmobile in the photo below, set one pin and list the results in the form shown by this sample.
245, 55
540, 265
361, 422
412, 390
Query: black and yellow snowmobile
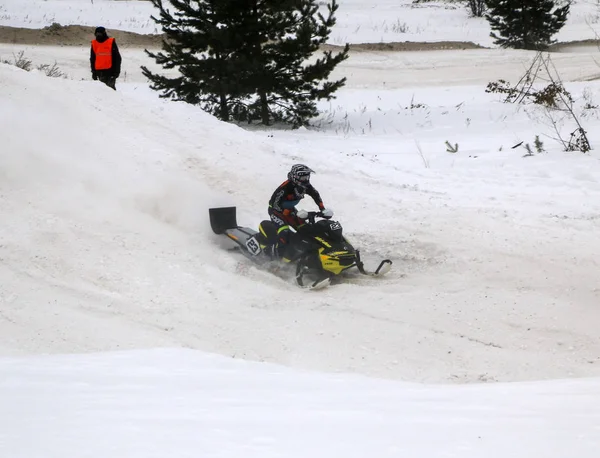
318, 248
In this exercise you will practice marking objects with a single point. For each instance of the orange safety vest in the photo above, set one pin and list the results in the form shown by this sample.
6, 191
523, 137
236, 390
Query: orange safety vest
103, 53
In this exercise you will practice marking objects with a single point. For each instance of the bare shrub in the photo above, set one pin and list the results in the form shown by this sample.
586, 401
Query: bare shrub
553, 97
22, 62
476, 7
52, 71
54, 28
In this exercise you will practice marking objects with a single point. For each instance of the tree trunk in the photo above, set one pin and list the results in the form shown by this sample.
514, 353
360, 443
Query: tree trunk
264, 109
224, 107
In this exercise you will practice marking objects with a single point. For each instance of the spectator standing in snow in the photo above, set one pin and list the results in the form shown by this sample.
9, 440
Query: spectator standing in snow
105, 58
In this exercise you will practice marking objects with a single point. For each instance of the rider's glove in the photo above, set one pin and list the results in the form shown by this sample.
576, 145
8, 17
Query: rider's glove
302, 214
327, 213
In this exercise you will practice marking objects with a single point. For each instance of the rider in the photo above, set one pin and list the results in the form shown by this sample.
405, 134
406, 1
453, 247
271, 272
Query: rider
282, 206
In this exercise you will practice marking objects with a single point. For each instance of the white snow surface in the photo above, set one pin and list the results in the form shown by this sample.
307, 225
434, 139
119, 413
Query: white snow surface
181, 403
126, 330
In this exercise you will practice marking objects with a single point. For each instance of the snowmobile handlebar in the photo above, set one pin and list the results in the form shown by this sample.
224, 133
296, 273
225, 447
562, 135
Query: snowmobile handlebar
312, 215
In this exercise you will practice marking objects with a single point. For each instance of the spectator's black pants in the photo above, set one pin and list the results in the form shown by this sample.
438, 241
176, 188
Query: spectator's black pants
109, 80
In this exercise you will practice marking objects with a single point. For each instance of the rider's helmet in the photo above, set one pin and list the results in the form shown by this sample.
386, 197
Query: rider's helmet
300, 175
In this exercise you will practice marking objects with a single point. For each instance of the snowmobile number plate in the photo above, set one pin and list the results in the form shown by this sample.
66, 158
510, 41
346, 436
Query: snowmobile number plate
253, 246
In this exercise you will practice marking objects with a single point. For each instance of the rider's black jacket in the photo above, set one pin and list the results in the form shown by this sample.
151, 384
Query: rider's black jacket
287, 196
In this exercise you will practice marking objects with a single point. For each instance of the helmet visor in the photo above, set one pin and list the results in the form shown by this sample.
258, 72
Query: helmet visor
304, 178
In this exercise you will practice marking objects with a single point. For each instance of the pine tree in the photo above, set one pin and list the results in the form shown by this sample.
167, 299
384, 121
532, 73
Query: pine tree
247, 59
200, 44
525, 24
282, 36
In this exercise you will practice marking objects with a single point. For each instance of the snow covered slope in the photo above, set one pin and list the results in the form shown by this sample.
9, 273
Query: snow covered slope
106, 244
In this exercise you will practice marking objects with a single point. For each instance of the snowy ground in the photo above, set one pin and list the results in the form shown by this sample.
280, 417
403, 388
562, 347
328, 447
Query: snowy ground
181, 403
105, 245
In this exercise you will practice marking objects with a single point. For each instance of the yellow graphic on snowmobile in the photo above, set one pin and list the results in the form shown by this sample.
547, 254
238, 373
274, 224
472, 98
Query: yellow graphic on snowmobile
331, 262
323, 241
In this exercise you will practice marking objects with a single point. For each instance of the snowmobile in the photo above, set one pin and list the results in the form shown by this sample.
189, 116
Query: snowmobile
318, 248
